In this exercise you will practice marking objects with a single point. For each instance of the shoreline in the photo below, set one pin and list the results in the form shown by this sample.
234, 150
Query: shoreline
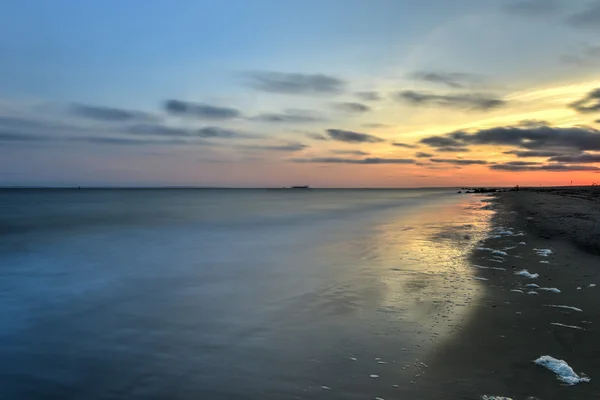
492, 353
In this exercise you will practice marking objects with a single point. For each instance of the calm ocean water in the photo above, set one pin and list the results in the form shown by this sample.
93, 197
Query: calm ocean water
221, 294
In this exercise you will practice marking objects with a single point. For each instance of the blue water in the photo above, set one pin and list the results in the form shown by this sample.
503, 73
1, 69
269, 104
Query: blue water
220, 294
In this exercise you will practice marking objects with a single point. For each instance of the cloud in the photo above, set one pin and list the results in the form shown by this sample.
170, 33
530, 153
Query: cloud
458, 161
577, 158
368, 95
352, 107
522, 163
452, 149
532, 8
588, 17
534, 153
352, 137
534, 138
295, 83
290, 116
405, 145
317, 136
364, 161
374, 125
109, 114
588, 55
547, 167
473, 101
423, 155
350, 152
532, 123
200, 110
162, 130
588, 104
288, 147
452, 79
18, 137
440, 141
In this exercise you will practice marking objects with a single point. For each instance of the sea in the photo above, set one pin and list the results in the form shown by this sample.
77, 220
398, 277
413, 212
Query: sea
230, 293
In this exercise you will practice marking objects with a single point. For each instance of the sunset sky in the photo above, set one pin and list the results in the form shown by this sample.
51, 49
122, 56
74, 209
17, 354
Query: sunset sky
328, 93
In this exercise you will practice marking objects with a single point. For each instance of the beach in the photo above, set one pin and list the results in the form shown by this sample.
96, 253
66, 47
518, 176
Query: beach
317, 294
513, 324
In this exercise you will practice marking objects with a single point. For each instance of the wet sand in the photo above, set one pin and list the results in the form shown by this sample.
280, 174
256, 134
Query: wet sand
493, 352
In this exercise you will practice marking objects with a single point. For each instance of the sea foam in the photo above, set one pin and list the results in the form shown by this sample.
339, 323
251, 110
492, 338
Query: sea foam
563, 371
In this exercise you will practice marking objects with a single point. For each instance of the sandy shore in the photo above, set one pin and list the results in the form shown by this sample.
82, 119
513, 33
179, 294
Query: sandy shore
493, 352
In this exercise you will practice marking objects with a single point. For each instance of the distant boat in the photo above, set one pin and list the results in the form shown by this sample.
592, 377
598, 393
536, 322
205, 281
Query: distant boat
300, 187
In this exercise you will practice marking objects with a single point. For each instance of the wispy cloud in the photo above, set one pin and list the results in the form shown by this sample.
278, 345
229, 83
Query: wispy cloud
350, 152
577, 158
351, 107
109, 114
533, 8
588, 104
420, 154
352, 137
548, 167
295, 83
363, 161
368, 96
290, 116
458, 161
588, 17
287, 147
451, 79
472, 101
200, 110
405, 145
317, 136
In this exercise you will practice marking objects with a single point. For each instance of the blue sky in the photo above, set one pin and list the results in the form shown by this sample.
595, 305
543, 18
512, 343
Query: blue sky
69, 66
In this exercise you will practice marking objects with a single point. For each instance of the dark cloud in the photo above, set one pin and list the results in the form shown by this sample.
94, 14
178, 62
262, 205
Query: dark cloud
440, 141
423, 155
295, 83
458, 161
129, 141
405, 145
588, 17
532, 8
368, 96
535, 138
200, 110
162, 130
19, 137
352, 107
473, 101
532, 123
547, 167
290, 116
370, 161
317, 136
535, 153
597, 121
288, 147
109, 114
350, 152
522, 163
451, 149
577, 158
352, 137
374, 125
452, 79
589, 103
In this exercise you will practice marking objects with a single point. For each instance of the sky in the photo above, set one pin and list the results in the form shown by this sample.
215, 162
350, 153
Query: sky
327, 93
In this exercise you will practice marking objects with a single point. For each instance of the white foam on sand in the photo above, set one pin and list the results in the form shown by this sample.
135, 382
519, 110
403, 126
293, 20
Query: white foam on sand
532, 292
543, 252
478, 278
592, 285
495, 268
544, 262
523, 243
532, 285
550, 289
496, 252
526, 274
563, 371
566, 326
373, 376
565, 307
516, 291
484, 397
